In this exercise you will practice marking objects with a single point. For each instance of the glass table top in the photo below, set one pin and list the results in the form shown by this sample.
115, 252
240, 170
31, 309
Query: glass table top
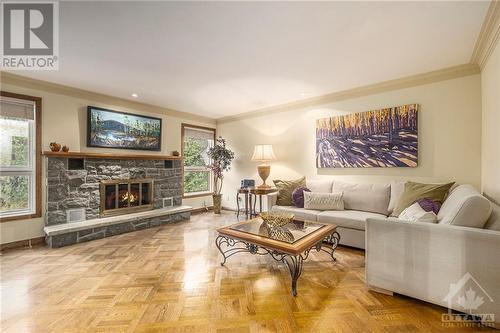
289, 233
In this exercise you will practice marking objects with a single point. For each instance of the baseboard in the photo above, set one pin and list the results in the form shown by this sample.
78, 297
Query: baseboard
228, 209
201, 210
38, 241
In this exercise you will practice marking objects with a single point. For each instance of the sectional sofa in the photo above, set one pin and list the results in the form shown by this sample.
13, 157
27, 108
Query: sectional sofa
428, 261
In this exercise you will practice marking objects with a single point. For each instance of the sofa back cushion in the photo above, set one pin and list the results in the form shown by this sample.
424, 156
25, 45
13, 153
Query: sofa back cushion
365, 197
397, 189
465, 207
493, 222
321, 186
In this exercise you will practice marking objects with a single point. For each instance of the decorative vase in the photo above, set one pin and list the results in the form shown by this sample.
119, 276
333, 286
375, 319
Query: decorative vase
65, 149
54, 146
217, 198
264, 171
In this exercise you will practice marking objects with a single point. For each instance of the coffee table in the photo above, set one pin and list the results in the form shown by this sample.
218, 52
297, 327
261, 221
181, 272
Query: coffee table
289, 244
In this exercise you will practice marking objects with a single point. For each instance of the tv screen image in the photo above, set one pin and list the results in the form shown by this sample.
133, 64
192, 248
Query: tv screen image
114, 129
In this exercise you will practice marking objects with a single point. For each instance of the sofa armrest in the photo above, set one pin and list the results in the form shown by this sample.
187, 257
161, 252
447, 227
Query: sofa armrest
271, 200
422, 260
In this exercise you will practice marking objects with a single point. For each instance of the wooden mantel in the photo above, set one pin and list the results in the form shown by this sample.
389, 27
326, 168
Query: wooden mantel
109, 156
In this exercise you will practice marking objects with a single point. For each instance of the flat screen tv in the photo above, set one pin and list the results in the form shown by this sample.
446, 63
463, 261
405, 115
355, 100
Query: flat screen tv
114, 129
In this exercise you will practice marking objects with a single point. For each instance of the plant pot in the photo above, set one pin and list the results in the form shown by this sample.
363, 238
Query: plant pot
217, 198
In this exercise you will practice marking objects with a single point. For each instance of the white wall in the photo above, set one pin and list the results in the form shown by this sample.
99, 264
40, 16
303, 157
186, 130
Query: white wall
449, 137
64, 121
490, 89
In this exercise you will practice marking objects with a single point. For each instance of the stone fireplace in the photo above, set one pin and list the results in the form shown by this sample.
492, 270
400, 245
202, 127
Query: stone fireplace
109, 195
124, 196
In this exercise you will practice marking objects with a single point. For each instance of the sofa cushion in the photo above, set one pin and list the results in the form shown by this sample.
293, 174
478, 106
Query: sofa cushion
365, 197
323, 201
397, 189
286, 188
415, 213
298, 196
429, 205
352, 219
414, 191
301, 213
322, 186
465, 207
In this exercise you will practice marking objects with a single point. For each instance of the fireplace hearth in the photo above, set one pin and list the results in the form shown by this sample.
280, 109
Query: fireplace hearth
123, 196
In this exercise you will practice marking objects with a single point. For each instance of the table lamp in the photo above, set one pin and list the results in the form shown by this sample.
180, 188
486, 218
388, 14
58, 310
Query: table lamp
264, 154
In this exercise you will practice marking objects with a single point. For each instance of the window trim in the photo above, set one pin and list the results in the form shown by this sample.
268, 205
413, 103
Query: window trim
195, 194
38, 157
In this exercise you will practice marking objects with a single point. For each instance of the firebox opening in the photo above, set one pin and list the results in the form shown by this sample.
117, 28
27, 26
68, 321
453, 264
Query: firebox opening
124, 196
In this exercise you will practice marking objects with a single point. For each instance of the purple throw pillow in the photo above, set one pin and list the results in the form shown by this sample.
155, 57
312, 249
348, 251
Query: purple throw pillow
298, 196
429, 205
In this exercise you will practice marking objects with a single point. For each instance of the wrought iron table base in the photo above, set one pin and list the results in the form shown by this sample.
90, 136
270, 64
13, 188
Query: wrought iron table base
294, 263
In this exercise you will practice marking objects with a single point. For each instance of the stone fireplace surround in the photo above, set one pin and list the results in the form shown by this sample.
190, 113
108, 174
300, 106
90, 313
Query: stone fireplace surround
70, 188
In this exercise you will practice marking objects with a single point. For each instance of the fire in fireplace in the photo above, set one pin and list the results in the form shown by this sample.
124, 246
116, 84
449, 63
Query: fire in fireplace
125, 196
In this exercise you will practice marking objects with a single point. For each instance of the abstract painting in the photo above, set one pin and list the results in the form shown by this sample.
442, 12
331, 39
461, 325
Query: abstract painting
113, 129
382, 138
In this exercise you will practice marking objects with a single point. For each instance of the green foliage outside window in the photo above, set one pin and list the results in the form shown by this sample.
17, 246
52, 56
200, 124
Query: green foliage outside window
196, 181
13, 192
19, 150
14, 152
194, 150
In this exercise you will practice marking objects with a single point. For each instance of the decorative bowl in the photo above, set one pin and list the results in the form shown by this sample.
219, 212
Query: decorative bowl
279, 233
276, 219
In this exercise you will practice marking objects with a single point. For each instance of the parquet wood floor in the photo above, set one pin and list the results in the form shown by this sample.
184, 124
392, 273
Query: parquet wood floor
168, 279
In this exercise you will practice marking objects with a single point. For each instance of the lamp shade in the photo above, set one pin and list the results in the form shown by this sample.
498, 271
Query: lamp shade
263, 153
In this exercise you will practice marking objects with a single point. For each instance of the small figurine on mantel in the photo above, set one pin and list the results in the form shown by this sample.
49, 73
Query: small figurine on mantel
65, 149
175, 153
54, 146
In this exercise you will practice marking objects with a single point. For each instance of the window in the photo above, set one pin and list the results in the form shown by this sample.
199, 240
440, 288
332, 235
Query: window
19, 156
196, 141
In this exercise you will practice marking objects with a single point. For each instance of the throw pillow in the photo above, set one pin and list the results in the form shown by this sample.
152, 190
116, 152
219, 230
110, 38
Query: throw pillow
285, 190
415, 191
298, 196
415, 213
429, 205
323, 201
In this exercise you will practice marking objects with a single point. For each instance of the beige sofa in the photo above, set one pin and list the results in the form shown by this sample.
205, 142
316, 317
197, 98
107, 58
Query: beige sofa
361, 201
421, 260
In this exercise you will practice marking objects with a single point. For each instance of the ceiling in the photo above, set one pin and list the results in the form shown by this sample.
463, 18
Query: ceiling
220, 59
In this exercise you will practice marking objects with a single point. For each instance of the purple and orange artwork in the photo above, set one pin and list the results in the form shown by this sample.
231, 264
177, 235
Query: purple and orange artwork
382, 138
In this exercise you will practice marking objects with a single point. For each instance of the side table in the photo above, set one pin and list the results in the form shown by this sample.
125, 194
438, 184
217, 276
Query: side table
260, 192
249, 202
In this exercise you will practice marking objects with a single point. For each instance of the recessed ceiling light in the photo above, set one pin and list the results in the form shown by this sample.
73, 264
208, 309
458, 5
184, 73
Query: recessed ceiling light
134, 95
303, 94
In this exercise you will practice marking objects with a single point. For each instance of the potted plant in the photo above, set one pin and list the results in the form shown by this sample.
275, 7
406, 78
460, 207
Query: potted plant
220, 162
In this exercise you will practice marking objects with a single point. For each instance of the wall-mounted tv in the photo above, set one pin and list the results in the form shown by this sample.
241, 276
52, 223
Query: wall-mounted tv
114, 129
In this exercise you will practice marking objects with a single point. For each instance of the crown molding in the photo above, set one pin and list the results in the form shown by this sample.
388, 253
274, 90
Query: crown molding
488, 36
401, 83
26, 82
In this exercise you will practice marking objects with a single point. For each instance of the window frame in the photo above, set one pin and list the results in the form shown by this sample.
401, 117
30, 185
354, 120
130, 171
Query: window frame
184, 169
36, 163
